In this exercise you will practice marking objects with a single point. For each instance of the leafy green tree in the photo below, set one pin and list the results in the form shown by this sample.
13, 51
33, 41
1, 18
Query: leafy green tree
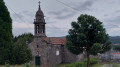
87, 34
20, 52
5, 33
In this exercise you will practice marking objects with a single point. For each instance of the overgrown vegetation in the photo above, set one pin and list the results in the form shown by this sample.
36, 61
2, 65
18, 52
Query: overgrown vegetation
63, 65
95, 65
5, 34
23, 65
12, 50
93, 61
20, 52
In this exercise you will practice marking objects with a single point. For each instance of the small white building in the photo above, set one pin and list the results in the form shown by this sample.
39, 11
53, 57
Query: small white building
110, 56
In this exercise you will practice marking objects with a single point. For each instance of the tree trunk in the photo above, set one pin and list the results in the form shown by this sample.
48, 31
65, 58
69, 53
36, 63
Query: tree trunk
88, 58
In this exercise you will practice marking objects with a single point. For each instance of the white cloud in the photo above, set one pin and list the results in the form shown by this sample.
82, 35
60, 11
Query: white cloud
107, 11
20, 28
22, 25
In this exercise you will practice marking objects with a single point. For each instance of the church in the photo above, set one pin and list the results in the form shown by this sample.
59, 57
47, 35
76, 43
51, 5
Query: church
48, 51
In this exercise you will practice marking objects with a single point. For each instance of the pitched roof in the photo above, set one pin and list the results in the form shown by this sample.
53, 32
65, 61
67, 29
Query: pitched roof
55, 41
117, 53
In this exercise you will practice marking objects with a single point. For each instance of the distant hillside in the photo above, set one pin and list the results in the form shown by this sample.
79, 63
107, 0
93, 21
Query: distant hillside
113, 39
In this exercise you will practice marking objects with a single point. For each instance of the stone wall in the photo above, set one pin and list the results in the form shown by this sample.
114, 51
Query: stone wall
68, 56
39, 48
51, 55
55, 55
63, 56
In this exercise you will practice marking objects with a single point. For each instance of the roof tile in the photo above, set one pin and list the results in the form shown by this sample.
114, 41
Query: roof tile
55, 41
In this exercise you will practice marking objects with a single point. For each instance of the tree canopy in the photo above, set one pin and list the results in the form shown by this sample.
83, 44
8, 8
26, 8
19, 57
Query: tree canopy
5, 33
88, 34
20, 52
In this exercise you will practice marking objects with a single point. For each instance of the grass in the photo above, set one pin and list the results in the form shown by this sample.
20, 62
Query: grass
16, 66
107, 65
63, 65
98, 65
60, 65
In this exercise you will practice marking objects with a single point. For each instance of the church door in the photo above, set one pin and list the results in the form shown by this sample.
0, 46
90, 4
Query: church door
37, 60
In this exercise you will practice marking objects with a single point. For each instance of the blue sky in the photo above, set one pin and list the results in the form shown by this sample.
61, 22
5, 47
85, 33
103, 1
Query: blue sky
59, 17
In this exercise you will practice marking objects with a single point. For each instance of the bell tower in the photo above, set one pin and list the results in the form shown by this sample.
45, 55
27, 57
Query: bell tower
39, 23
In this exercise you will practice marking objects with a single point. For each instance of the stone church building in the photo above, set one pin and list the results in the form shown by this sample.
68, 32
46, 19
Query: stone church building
48, 51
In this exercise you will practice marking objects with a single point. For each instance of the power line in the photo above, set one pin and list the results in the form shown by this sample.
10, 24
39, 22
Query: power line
59, 28
23, 20
69, 6
16, 14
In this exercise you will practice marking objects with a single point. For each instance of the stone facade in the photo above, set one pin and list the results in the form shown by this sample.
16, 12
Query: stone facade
51, 54
51, 50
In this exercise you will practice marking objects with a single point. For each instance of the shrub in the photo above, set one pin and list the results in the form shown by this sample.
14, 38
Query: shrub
27, 65
92, 61
83, 64
77, 64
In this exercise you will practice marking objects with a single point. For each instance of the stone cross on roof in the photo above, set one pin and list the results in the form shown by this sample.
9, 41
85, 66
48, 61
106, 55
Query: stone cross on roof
39, 5
39, 2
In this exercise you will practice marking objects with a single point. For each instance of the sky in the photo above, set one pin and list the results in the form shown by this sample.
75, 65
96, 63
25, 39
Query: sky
60, 13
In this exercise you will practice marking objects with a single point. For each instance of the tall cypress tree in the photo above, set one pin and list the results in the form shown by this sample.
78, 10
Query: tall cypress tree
5, 33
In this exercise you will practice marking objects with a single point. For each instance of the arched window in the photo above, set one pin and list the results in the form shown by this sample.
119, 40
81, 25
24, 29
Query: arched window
37, 46
37, 29
43, 28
